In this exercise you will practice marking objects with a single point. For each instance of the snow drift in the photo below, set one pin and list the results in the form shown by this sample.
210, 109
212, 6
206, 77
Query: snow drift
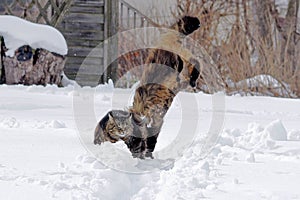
41, 157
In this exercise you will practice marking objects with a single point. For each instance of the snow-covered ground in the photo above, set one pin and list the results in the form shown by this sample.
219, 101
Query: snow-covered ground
42, 154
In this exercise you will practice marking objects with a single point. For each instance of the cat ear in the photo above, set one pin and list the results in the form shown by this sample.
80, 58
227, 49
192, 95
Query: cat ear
110, 116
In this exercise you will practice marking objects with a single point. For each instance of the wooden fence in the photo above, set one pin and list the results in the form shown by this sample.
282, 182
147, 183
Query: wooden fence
85, 25
48, 12
131, 18
84, 29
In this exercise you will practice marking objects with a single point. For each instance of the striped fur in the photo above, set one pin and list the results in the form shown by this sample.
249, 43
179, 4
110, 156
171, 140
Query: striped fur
169, 69
115, 125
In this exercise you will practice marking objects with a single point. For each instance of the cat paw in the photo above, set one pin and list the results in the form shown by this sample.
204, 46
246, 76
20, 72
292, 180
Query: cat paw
138, 155
149, 155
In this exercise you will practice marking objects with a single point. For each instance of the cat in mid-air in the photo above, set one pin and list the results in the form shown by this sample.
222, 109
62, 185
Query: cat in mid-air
171, 68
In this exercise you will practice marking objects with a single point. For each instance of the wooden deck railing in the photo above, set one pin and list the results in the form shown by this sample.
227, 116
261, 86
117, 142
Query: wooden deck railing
131, 18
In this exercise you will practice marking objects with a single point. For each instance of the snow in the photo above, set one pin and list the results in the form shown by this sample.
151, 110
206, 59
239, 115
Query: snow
276, 131
294, 135
43, 156
34, 35
250, 158
262, 81
68, 82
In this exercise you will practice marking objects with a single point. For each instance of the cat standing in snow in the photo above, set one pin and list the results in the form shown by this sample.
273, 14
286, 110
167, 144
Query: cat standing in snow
119, 125
170, 68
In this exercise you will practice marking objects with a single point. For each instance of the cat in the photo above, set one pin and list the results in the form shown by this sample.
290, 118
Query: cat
119, 125
116, 125
170, 69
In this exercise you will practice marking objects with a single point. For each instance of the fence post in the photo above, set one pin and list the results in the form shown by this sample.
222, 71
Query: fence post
111, 46
2, 54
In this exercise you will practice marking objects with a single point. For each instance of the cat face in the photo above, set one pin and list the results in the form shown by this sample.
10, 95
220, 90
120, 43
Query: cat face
122, 122
114, 126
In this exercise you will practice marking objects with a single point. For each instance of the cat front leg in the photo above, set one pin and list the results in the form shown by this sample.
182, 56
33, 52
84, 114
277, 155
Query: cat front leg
136, 145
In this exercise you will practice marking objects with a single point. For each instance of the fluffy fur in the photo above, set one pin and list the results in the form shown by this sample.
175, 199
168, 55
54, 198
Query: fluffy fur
187, 25
169, 69
114, 126
118, 125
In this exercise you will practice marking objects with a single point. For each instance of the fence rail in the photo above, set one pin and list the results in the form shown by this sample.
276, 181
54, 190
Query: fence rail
130, 17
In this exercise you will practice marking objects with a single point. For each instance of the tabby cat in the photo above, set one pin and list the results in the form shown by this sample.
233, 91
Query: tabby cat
170, 69
114, 126
166, 74
119, 125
